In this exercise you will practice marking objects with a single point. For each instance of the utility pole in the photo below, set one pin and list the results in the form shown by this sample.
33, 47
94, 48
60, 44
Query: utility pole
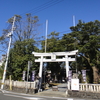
6, 63
28, 69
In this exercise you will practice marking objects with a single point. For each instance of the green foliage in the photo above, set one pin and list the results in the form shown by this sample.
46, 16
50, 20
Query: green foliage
87, 36
20, 54
53, 43
68, 42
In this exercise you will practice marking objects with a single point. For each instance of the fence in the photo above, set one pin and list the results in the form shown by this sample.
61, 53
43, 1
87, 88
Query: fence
90, 91
32, 85
87, 87
20, 84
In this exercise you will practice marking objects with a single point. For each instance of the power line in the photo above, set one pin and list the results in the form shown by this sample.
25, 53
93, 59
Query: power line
40, 8
43, 6
36, 7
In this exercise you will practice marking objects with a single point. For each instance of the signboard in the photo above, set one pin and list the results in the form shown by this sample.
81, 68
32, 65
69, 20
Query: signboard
75, 84
69, 75
33, 75
84, 75
24, 73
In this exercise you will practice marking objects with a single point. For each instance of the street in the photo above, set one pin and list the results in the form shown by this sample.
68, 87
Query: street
16, 96
6, 95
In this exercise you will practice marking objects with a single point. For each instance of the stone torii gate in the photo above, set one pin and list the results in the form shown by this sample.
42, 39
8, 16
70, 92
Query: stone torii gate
66, 57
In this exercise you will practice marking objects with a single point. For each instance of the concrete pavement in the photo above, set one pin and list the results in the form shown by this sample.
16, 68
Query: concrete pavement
61, 92
52, 94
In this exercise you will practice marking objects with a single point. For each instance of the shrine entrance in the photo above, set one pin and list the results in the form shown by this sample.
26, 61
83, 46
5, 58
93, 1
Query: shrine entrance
54, 57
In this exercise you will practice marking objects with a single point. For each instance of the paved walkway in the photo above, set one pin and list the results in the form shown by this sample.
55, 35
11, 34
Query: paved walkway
60, 93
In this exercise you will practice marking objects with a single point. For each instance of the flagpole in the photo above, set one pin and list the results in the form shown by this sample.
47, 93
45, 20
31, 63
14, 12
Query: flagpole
46, 36
73, 20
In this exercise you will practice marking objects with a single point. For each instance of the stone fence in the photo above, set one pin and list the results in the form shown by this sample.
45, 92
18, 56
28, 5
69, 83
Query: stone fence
21, 86
89, 87
33, 85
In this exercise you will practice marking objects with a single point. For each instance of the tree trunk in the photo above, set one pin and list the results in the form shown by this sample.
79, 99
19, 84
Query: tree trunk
95, 74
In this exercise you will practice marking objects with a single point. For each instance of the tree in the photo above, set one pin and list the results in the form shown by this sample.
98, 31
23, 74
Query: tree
68, 43
87, 36
52, 42
20, 54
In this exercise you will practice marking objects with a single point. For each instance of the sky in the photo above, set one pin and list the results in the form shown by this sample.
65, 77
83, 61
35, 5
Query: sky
59, 13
